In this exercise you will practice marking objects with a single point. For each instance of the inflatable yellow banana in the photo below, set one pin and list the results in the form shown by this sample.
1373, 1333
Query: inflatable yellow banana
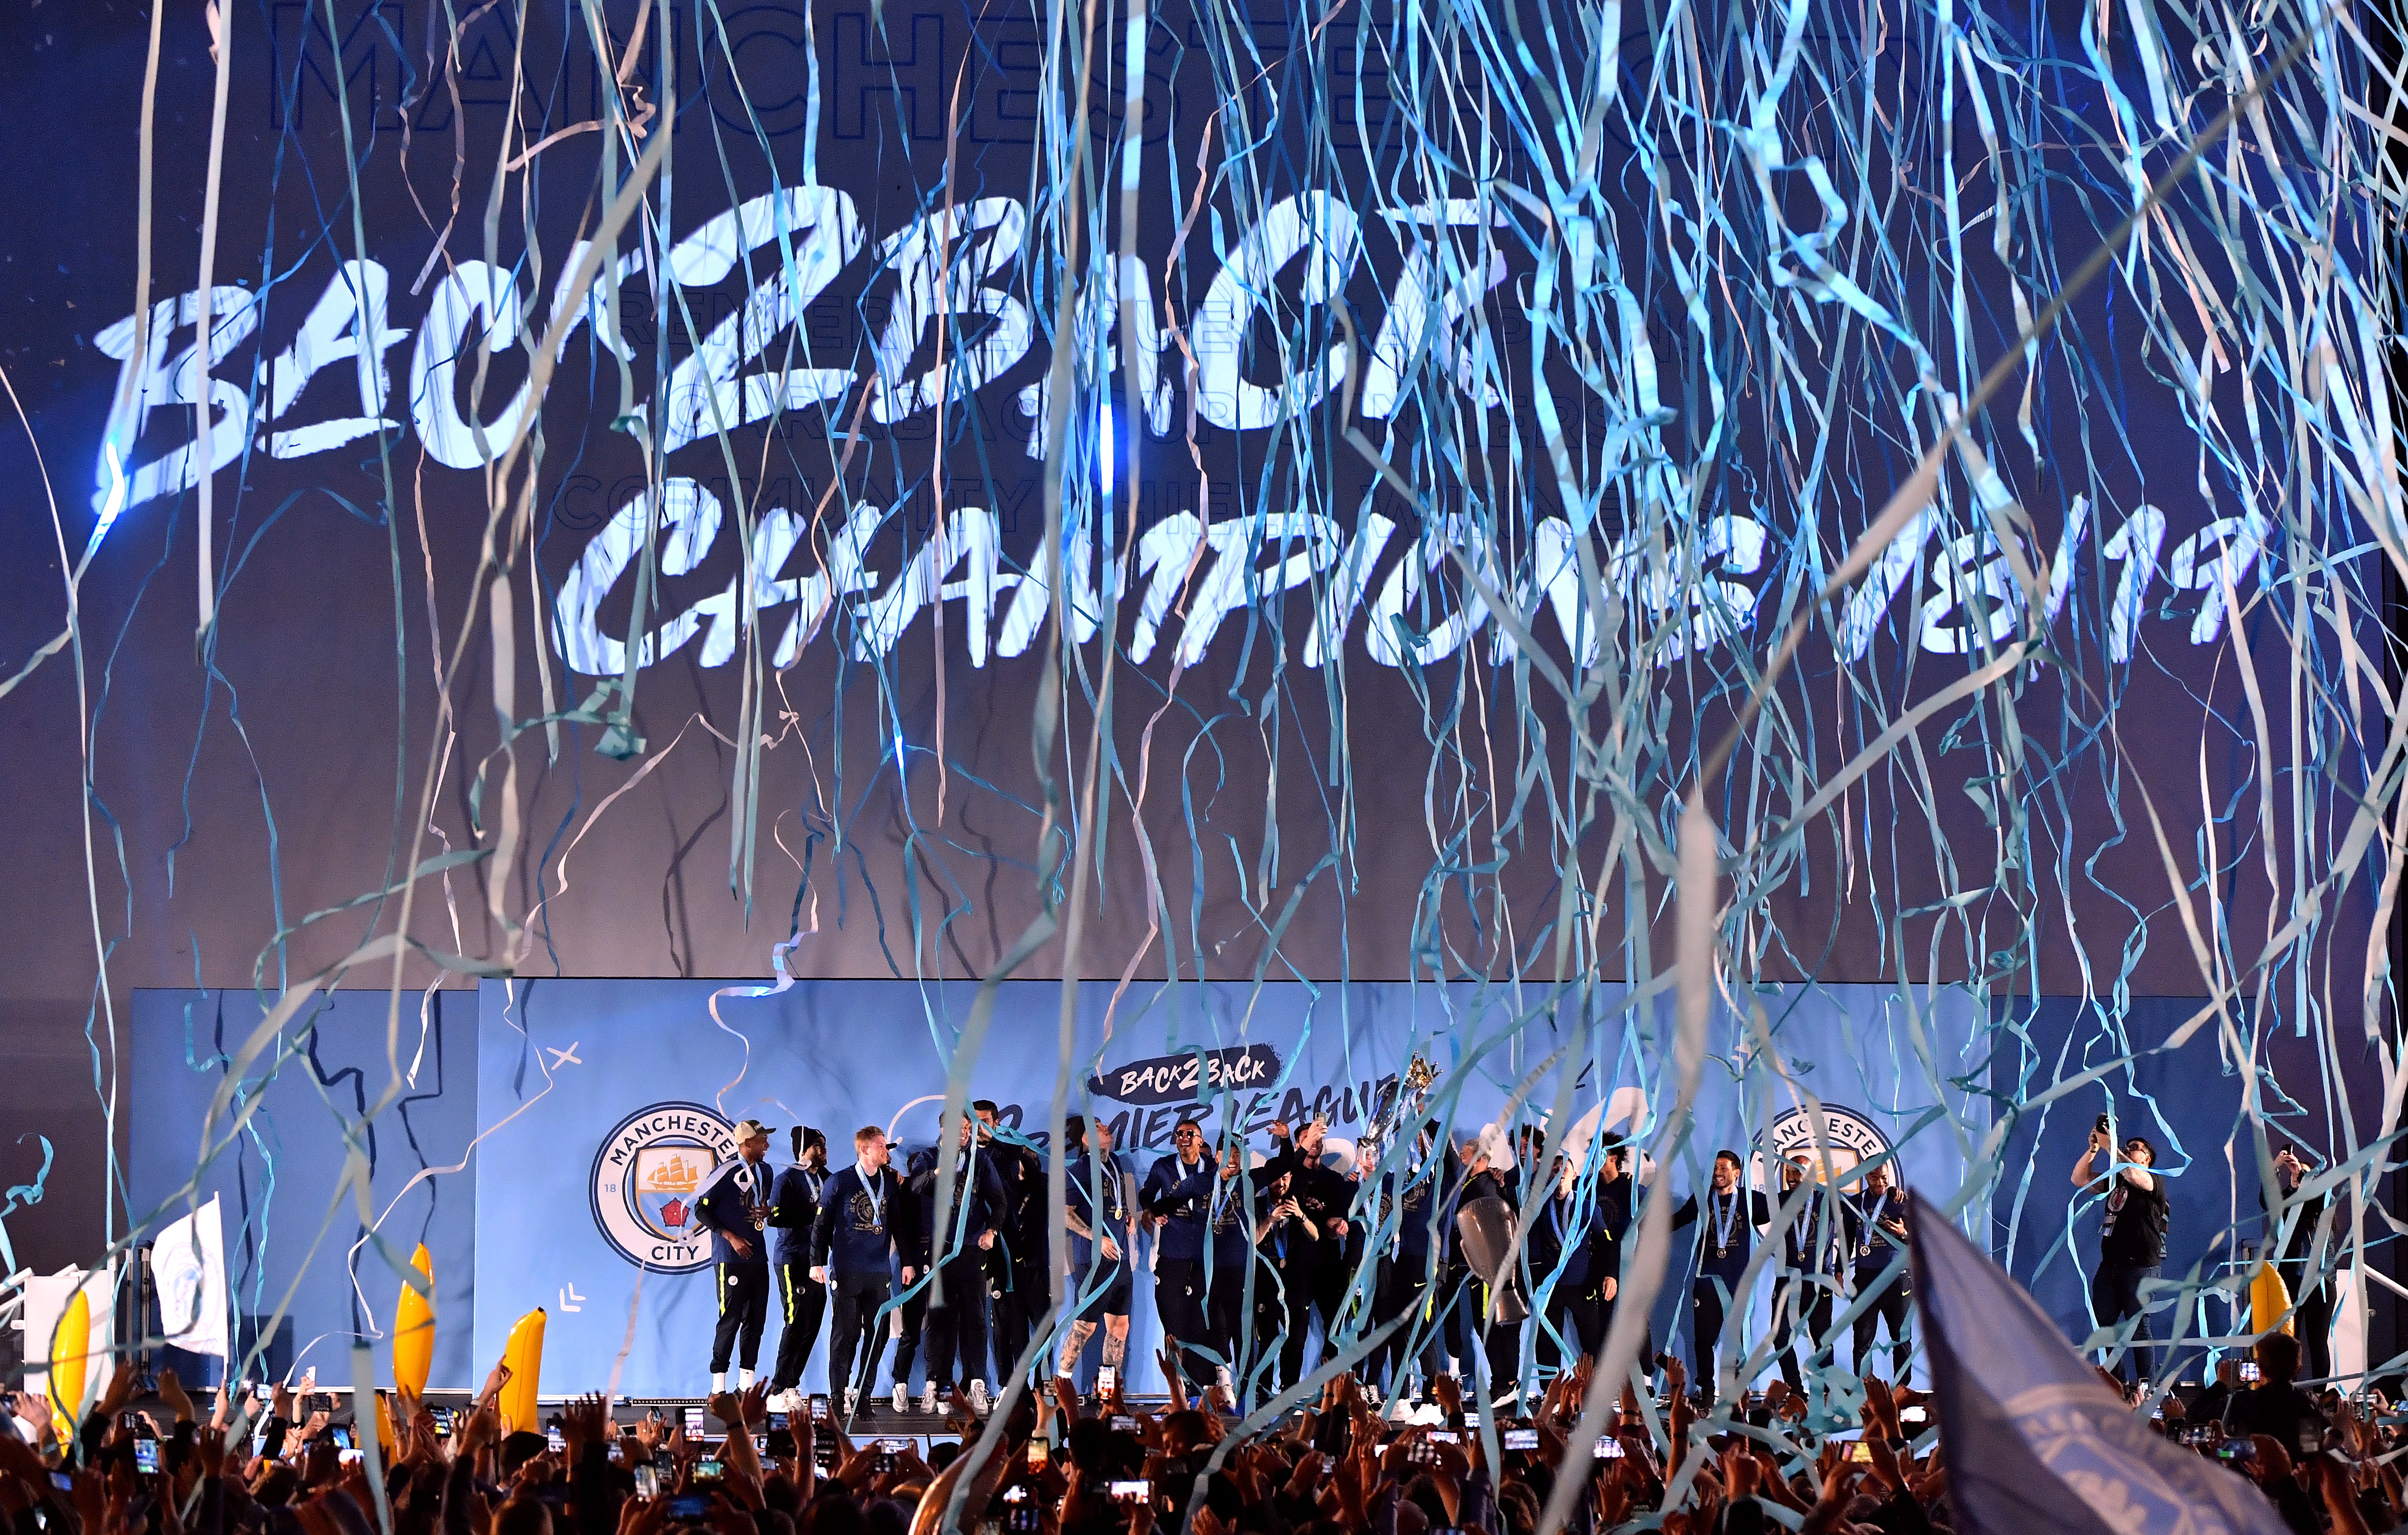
413, 1328
2269, 1297
384, 1427
523, 1354
70, 1348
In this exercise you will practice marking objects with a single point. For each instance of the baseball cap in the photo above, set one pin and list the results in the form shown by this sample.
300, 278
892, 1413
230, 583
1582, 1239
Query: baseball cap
750, 1130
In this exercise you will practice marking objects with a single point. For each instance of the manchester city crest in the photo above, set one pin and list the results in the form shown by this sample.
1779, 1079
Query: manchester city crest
1850, 1137
646, 1175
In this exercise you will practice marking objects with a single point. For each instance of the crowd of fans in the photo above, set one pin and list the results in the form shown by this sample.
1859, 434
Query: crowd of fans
1074, 1466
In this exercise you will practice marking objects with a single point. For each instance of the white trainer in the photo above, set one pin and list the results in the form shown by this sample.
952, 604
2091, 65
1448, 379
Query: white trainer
851, 1401
928, 1400
979, 1402
902, 1397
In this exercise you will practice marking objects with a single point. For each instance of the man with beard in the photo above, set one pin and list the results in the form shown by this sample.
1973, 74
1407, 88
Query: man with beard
1728, 1221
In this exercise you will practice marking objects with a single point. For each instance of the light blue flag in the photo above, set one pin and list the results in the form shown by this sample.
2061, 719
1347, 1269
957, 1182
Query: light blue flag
2035, 1440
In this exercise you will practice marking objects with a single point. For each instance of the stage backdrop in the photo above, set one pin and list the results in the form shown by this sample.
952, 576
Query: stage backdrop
286, 1235
572, 1071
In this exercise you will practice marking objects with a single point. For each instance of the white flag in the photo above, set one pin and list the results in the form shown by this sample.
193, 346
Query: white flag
188, 1267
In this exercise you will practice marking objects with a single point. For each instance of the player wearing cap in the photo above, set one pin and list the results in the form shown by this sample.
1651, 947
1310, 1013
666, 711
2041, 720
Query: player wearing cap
734, 1206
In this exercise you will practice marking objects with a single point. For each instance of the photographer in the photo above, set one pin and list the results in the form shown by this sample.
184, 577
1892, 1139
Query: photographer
2312, 1297
2132, 1235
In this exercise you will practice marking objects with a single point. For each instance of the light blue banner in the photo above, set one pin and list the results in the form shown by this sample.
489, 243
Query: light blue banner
588, 1088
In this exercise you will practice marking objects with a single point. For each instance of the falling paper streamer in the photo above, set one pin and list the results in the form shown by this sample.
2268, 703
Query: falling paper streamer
1339, 556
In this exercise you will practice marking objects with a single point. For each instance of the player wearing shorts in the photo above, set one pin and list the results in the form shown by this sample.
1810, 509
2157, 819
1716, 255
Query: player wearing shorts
1100, 1208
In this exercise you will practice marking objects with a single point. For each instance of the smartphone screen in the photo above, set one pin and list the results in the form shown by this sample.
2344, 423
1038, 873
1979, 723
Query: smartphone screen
2248, 1370
648, 1482
1521, 1439
1130, 1492
342, 1437
1038, 1454
1861, 1453
777, 1421
819, 1408
553, 1438
442, 1416
692, 1505
349, 1458
1912, 1414
1444, 1436
709, 1470
694, 1424
146, 1456
1609, 1448
1124, 1424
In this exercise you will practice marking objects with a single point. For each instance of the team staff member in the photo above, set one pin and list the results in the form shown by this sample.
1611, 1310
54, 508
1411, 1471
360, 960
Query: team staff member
1727, 1224
1877, 1224
734, 1205
860, 1211
794, 1209
1099, 1206
2131, 1237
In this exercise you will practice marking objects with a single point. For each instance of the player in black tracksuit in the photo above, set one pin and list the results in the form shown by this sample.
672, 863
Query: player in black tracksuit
1318, 1266
793, 1206
734, 1206
956, 1243
1015, 1265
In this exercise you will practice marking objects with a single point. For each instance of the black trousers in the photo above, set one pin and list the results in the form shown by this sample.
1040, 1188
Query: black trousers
743, 1311
2311, 1321
1801, 1313
852, 1357
1706, 1310
1283, 1301
1891, 1306
1315, 1281
1021, 1296
1575, 1314
956, 1328
1404, 1288
1181, 1290
804, 1305
913, 1312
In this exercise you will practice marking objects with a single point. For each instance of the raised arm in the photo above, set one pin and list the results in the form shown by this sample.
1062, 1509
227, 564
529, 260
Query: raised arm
2083, 1177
